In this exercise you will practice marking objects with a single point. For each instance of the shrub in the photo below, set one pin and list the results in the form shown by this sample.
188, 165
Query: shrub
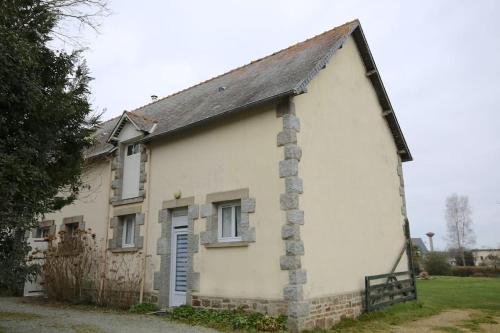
228, 319
475, 271
76, 270
437, 264
71, 267
144, 308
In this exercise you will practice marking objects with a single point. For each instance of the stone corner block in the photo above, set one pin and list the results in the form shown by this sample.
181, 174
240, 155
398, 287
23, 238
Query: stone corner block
293, 152
288, 168
290, 262
295, 216
294, 185
298, 309
293, 292
248, 205
290, 232
289, 201
297, 276
291, 121
294, 247
286, 136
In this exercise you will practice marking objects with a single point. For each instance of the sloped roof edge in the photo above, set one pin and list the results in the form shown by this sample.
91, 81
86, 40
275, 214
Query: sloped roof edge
150, 112
372, 72
374, 75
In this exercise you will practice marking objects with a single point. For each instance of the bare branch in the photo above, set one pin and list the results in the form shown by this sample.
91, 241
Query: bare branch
80, 13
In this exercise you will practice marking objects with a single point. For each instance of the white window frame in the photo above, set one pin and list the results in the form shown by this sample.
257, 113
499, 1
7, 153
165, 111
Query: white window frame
126, 219
134, 147
233, 206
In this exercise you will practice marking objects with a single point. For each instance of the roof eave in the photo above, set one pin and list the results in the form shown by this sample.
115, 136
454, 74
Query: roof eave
390, 116
357, 32
221, 115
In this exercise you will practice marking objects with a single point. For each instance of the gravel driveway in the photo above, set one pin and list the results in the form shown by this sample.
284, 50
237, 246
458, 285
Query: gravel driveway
18, 316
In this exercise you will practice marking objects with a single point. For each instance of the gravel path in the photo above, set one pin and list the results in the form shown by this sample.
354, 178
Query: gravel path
17, 316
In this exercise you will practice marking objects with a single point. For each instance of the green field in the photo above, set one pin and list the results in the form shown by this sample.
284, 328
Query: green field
482, 295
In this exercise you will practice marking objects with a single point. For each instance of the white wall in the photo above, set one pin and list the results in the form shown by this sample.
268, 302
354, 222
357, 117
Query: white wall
353, 221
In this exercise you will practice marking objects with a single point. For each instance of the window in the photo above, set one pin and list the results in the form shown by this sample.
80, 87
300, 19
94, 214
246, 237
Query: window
128, 222
229, 222
71, 229
42, 232
132, 149
131, 171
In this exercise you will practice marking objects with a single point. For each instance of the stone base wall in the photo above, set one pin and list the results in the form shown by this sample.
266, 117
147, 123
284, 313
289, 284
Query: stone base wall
329, 310
271, 307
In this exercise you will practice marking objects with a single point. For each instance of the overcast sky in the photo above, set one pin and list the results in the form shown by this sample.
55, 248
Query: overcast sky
439, 60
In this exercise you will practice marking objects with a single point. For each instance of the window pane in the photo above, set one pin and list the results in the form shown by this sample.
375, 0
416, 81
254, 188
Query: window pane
237, 217
129, 230
226, 221
132, 149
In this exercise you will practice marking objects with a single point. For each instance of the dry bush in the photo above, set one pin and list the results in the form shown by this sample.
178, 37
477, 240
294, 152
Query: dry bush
76, 270
71, 267
121, 281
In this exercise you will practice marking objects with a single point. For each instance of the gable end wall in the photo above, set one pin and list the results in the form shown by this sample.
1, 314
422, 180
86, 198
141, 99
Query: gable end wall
352, 198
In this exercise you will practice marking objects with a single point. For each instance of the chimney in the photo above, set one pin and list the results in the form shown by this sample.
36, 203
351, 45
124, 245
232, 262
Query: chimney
154, 98
430, 235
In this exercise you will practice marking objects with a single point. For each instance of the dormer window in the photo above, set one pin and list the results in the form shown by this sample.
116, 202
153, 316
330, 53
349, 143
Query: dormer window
131, 170
130, 157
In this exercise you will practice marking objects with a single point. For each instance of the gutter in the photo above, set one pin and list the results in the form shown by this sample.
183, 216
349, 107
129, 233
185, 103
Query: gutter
221, 115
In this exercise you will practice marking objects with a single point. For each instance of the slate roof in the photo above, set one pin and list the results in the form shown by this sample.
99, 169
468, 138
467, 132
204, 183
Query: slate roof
283, 73
418, 242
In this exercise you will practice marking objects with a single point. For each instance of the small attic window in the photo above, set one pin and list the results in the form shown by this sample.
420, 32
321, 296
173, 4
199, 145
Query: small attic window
221, 88
132, 149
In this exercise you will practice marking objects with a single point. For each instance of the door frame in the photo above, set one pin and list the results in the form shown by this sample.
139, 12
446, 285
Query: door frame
180, 225
161, 278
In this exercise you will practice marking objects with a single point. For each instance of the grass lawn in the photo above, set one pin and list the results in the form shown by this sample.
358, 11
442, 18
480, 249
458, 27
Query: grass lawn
435, 295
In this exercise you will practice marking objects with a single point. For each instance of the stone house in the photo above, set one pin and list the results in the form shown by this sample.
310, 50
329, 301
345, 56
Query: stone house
486, 257
276, 186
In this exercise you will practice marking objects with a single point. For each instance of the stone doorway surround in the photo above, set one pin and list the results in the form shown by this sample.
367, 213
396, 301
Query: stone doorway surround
161, 279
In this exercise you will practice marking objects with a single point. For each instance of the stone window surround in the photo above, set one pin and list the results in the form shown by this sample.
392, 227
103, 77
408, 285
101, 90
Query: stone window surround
117, 183
210, 237
115, 243
73, 219
161, 278
49, 224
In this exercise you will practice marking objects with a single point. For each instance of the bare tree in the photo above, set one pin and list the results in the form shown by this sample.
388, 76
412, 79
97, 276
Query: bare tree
459, 224
79, 14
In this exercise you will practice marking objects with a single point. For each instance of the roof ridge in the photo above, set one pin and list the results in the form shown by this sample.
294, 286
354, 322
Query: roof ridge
247, 64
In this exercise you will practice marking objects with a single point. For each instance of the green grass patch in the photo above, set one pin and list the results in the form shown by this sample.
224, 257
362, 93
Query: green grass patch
228, 320
144, 308
18, 316
434, 296
86, 328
